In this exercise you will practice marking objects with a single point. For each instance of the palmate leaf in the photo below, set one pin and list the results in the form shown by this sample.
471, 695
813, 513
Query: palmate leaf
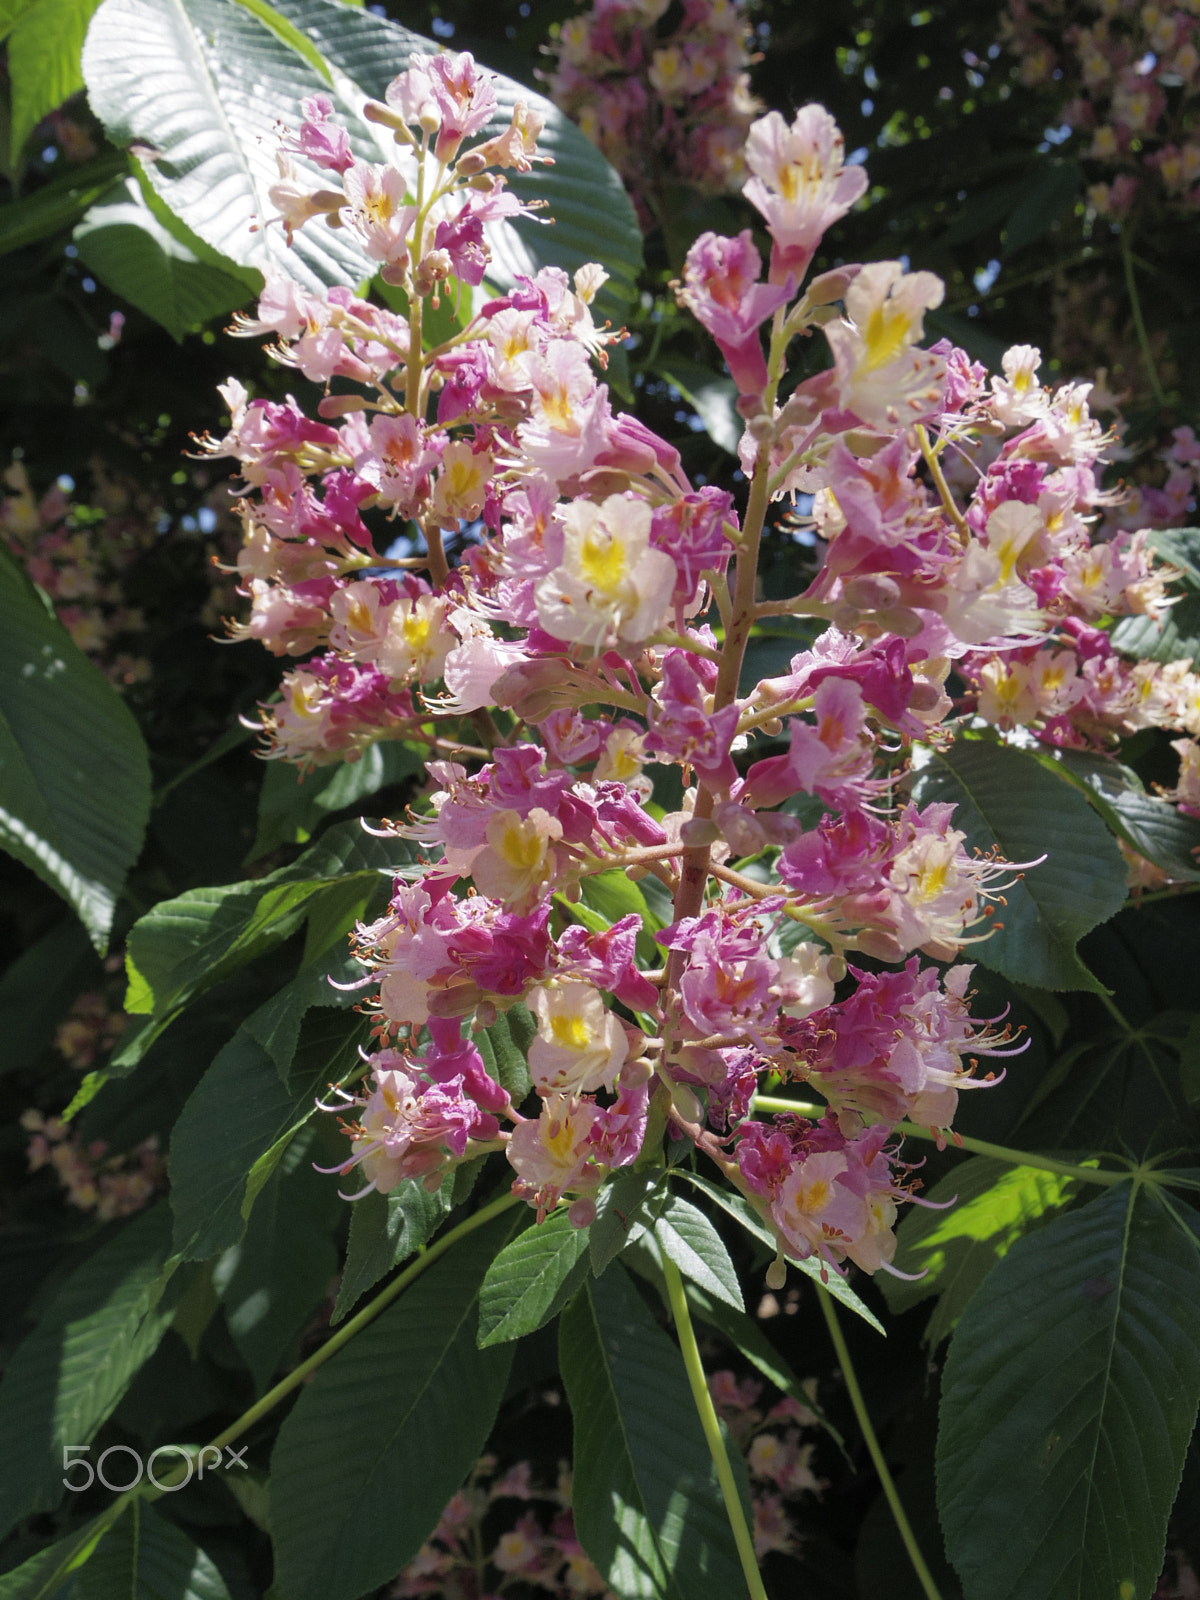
531, 1279
74, 772
1005, 800
1154, 827
647, 1506
189, 79
145, 1557
184, 946
69, 1373
240, 1119
386, 1432
951, 1252
384, 1231
134, 254
1068, 1399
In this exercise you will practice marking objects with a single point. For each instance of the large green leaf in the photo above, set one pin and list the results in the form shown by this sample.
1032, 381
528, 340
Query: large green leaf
68, 1374
953, 1251
1005, 800
386, 1432
130, 250
186, 945
1068, 1400
145, 1557
74, 774
292, 805
505, 1049
384, 1231
190, 79
272, 1281
58, 203
43, 60
696, 1248
240, 1119
1154, 827
531, 1279
51, 1571
647, 1506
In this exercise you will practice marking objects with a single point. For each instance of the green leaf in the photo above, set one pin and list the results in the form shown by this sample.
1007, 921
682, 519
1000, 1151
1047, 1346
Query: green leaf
1152, 826
130, 251
1068, 1399
145, 1557
43, 61
238, 1122
956, 1249
184, 946
614, 897
647, 1506
1006, 800
386, 1432
745, 1213
505, 1049
74, 773
530, 1279
1055, 186
292, 806
697, 1249
275, 1278
57, 204
69, 1373
190, 78
384, 1231
49, 1572
713, 399
617, 1222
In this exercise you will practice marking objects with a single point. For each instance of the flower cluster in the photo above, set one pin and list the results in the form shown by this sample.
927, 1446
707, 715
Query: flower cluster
778, 1457
591, 634
662, 106
1132, 76
90, 1029
535, 1549
78, 555
109, 1185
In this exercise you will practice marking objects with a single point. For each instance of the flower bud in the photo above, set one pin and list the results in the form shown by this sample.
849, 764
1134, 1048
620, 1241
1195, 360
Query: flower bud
777, 1273
470, 164
871, 592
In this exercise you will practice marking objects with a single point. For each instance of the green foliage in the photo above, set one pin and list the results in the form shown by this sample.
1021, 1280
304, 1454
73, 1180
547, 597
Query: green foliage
950, 1252
74, 773
292, 806
531, 1279
44, 46
145, 1557
1068, 1400
387, 1431
68, 1374
130, 250
647, 1507
384, 1231
238, 1122
1007, 801
186, 78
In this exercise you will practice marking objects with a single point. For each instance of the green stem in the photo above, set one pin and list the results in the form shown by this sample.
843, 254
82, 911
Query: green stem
356, 1324
742, 1534
1135, 305
342, 1337
979, 1147
1165, 894
924, 1576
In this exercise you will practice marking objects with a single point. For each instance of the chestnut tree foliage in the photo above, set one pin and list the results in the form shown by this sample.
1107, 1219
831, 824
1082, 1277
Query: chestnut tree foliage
599, 609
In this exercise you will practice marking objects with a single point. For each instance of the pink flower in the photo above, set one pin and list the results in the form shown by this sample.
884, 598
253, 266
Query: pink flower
722, 291
800, 185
